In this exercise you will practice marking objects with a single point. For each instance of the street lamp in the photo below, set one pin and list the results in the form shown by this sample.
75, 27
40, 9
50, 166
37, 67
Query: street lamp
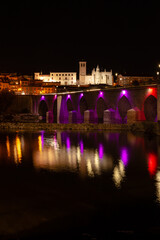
116, 75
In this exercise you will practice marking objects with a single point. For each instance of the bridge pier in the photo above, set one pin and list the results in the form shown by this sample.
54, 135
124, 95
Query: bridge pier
59, 100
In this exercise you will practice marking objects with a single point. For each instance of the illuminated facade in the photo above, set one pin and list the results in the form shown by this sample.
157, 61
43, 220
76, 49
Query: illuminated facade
4, 85
62, 78
97, 76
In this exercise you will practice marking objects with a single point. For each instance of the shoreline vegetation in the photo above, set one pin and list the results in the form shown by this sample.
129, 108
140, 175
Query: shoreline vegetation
144, 127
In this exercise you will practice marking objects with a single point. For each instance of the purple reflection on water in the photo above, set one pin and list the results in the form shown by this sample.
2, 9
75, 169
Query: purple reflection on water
124, 156
101, 151
68, 144
81, 147
42, 138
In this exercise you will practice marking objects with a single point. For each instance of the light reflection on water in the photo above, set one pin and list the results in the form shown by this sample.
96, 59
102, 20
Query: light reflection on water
91, 154
119, 173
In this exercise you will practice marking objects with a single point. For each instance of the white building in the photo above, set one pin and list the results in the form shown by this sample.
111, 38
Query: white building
65, 78
97, 77
70, 78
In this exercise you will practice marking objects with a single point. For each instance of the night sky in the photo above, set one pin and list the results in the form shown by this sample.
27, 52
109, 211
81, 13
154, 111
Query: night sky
53, 36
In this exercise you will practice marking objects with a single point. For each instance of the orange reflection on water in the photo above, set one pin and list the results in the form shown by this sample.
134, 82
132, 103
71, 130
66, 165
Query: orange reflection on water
18, 150
40, 143
8, 147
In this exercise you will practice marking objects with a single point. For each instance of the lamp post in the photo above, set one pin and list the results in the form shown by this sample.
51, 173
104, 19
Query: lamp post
116, 75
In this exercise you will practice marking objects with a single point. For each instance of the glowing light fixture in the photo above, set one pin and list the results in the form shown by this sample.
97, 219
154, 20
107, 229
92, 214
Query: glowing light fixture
68, 96
42, 97
81, 95
150, 90
124, 92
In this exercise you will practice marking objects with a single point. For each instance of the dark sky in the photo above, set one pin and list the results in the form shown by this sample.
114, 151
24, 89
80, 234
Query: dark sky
53, 36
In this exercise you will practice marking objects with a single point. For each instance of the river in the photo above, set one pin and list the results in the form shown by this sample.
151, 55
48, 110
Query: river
85, 185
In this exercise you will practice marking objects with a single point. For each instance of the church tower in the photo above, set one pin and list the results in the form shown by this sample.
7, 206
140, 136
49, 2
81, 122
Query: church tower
82, 72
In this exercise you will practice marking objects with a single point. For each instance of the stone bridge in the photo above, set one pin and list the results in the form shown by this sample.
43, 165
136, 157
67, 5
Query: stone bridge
118, 105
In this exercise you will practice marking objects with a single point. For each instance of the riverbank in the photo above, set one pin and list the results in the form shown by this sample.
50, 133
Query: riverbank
145, 127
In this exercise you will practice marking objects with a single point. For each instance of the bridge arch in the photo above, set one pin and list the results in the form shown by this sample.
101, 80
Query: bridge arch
42, 109
83, 106
100, 107
150, 108
123, 106
69, 105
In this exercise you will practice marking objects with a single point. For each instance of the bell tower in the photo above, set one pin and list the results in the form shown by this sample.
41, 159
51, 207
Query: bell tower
82, 72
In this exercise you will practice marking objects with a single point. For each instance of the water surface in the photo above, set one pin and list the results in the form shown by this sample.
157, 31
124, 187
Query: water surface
101, 182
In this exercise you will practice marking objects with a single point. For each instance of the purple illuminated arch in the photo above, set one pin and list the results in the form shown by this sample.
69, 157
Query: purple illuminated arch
123, 105
83, 105
101, 106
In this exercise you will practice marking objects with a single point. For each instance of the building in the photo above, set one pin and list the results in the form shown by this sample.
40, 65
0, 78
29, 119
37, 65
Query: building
96, 77
4, 84
131, 80
62, 78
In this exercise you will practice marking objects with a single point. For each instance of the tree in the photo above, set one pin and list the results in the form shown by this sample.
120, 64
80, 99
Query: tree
6, 99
